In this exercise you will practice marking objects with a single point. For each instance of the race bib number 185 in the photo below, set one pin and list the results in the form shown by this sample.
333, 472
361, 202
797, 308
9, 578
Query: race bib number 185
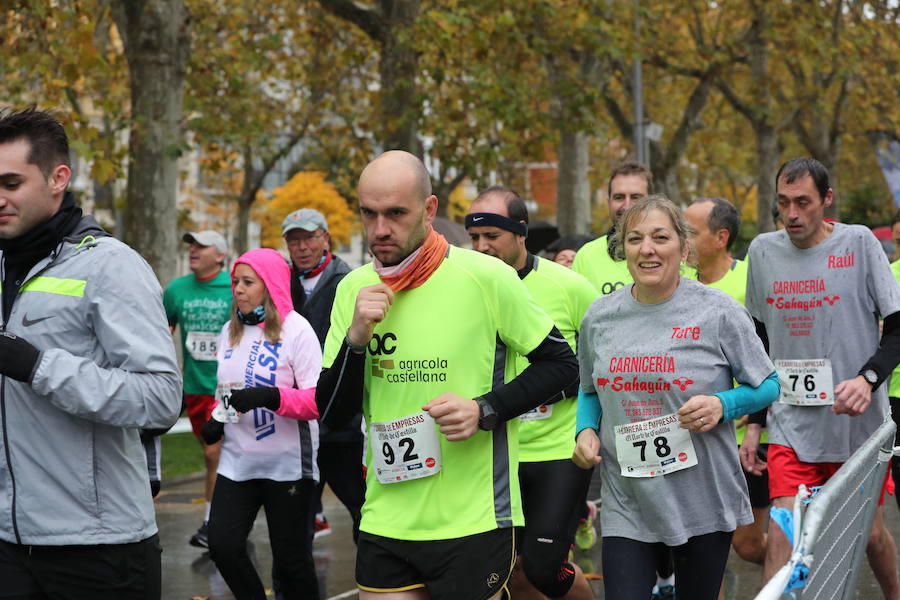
202, 345
654, 447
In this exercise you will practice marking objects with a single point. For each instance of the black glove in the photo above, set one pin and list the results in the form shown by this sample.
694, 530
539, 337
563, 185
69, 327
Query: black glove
212, 431
247, 399
18, 358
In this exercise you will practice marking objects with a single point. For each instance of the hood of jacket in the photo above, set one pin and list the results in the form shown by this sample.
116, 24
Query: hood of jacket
273, 269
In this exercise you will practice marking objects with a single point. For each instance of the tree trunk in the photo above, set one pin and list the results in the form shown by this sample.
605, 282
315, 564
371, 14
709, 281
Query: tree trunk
157, 44
665, 181
398, 66
767, 153
830, 157
241, 233
389, 23
573, 192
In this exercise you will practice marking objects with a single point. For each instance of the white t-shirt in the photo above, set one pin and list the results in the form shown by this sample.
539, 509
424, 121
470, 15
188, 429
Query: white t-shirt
264, 445
309, 283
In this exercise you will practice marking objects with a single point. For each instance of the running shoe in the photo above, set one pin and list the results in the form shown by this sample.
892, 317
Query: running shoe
201, 539
665, 592
586, 534
322, 527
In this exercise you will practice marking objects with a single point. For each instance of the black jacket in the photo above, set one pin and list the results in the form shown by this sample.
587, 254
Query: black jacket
317, 309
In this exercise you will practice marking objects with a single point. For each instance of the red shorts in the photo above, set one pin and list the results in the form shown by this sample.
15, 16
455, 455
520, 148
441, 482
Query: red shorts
199, 409
786, 472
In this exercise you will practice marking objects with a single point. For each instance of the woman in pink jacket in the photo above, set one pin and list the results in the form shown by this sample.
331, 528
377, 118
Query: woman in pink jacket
269, 361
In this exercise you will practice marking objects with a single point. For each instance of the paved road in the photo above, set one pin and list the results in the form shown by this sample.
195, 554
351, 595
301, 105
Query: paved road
188, 573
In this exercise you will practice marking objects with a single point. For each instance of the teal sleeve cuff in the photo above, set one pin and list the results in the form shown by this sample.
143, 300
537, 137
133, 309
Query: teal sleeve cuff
745, 399
589, 412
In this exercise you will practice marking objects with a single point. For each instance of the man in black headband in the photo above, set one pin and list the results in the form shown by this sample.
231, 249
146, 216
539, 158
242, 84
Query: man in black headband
553, 488
499, 235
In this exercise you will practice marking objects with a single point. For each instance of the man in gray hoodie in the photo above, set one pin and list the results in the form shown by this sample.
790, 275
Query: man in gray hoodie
86, 361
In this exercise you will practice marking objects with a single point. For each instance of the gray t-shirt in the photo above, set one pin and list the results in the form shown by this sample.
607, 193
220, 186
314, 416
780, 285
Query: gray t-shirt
822, 302
693, 343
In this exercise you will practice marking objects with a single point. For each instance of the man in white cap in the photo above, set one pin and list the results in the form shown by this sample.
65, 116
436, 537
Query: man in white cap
316, 273
200, 304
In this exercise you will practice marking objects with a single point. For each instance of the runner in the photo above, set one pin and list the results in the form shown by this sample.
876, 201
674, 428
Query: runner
85, 363
628, 183
553, 488
716, 223
819, 288
199, 304
418, 339
315, 273
651, 355
266, 352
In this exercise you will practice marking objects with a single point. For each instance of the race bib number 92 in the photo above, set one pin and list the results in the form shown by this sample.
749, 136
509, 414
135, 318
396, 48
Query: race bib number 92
405, 448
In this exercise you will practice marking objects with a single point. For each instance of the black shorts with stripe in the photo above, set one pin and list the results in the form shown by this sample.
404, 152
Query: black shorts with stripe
475, 567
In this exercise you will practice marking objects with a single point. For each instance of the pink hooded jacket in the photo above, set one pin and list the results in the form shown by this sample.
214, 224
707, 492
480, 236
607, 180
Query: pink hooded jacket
273, 269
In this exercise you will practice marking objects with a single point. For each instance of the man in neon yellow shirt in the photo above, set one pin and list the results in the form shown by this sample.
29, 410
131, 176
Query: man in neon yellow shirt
716, 224
418, 340
553, 487
629, 182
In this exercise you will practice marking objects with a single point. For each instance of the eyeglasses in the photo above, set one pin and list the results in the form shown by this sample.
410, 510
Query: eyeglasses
297, 240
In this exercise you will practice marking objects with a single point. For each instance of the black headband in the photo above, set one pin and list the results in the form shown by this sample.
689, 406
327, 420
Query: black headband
495, 220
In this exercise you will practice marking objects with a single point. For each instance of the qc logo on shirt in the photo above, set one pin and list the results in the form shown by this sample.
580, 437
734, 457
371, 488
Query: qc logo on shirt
403, 370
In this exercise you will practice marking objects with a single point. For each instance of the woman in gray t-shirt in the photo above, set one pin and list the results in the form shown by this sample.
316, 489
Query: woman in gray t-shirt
655, 411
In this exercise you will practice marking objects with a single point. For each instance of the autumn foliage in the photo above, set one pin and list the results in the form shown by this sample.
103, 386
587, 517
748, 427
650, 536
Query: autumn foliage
306, 189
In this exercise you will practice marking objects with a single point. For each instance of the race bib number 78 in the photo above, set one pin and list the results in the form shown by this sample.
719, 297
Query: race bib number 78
654, 447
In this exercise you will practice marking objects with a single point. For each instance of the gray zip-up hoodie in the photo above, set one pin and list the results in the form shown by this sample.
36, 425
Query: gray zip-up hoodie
72, 470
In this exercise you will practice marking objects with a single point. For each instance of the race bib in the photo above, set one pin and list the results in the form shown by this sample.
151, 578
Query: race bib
806, 382
405, 448
224, 412
544, 411
654, 447
202, 345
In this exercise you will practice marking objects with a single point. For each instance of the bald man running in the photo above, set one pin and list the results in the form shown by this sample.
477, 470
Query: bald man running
418, 341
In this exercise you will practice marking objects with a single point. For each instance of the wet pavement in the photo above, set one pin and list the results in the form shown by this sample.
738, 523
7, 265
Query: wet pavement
188, 573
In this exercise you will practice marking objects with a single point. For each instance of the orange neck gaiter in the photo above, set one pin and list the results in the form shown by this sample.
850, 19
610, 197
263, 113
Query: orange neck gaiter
418, 266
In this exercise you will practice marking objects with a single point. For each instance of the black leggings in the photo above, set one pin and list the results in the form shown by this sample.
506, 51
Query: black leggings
287, 503
340, 466
552, 492
629, 567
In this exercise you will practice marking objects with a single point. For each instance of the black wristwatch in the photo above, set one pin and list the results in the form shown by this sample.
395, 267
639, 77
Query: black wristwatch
871, 376
487, 416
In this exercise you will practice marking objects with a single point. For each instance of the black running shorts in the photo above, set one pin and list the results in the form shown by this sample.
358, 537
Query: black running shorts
475, 567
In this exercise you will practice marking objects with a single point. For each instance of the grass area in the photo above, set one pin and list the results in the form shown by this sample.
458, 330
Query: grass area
181, 454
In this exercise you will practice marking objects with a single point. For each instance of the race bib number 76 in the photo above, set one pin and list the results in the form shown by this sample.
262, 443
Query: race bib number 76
806, 382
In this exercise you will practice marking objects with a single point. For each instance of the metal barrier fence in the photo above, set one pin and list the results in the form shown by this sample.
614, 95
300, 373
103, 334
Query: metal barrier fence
831, 533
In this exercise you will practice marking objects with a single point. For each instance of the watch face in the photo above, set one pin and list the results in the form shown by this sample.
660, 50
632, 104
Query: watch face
870, 376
